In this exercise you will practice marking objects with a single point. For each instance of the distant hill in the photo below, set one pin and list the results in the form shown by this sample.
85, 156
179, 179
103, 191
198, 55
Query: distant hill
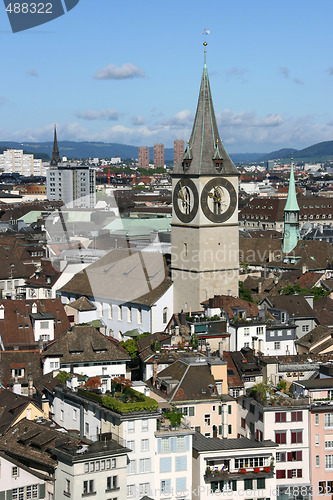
320, 151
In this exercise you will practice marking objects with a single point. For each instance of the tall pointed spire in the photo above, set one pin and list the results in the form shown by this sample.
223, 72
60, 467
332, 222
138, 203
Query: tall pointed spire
205, 154
291, 233
55, 152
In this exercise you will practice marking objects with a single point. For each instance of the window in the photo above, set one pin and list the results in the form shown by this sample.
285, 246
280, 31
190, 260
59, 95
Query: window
129, 314
86, 467
131, 467
261, 483
293, 456
131, 426
246, 331
248, 484
111, 482
166, 486
139, 315
130, 445
280, 416
281, 437
277, 345
328, 419
144, 444
165, 315
329, 443
243, 423
120, 313
181, 463
260, 330
61, 415
15, 471
229, 429
296, 416
144, 465
305, 328
188, 411
207, 420
252, 409
180, 443
165, 445
144, 424
165, 464
316, 418
88, 487
281, 456
87, 428
144, 488
113, 463
74, 414
229, 409
246, 344
296, 437
235, 393
109, 309
261, 416
317, 461
328, 461
130, 490
317, 439
280, 474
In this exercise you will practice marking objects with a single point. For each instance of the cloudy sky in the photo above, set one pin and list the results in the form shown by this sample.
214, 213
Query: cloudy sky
129, 72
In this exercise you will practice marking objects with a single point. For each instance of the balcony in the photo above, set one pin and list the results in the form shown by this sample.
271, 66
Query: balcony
213, 473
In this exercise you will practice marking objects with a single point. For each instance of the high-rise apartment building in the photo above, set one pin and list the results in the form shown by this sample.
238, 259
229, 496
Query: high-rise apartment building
15, 161
143, 157
178, 150
75, 186
158, 155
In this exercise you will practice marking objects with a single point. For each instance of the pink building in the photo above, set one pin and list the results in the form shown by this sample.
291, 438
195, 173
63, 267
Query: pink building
320, 393
178, 150
143, 157
158, 155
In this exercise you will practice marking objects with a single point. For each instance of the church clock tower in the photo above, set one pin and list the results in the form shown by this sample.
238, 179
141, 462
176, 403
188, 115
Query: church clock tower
204, 229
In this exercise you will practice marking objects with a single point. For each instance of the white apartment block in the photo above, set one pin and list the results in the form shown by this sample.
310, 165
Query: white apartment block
15, 161
75, 186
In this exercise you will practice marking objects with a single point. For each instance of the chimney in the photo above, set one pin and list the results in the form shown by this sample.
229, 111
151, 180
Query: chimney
177, 331
304, 268
2, 311
34, 308
46, 408
192, 328
30, 386
221, 350
207, 350
154, 373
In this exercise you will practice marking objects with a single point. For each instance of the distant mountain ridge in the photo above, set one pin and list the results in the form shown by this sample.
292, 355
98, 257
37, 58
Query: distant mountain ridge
86, 149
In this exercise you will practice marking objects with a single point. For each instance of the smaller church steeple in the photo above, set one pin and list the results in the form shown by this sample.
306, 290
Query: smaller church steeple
55, 152
291, 216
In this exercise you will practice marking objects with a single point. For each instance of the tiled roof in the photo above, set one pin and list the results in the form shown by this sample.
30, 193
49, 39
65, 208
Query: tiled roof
82, 304
311, 339
30, 361
234, 380
296, 305
323, 309
228, 303
202, 443
16, 328
11, 406
308, 279
145, 342
85, 343
123, 275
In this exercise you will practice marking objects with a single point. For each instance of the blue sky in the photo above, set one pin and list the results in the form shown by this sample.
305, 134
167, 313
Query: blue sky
129, 72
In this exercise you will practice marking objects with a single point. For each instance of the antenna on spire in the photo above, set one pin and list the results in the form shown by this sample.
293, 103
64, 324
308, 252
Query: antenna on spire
205, 33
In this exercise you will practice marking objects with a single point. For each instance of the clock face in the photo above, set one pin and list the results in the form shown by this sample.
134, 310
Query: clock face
218, 199
185, 200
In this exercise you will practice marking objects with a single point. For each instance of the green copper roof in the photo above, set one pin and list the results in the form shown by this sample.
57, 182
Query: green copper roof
205, 147
291, 205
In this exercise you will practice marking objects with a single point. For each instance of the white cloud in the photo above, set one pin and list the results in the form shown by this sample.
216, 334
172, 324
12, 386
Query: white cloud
228, 118
112, 72
103, 114
181, 119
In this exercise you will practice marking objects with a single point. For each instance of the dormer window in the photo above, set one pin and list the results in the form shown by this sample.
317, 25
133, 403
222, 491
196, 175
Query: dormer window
186, 164
218, 165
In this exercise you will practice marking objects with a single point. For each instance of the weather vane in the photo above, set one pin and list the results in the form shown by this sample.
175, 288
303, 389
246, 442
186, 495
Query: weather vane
205, 33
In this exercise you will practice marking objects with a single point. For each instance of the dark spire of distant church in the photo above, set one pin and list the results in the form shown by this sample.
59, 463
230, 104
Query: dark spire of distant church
55, 153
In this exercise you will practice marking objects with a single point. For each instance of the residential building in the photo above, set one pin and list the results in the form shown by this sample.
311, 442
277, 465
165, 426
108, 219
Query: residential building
174, 461
75, 186
84, 350
14, 408
97, 469
158, 155
232, 468
16, 161
317, 341
178, 150
285, 421
320, 393
143, 157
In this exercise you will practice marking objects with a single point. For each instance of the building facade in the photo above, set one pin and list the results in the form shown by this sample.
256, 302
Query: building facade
158, 155
178, 150
15, 161
143, 157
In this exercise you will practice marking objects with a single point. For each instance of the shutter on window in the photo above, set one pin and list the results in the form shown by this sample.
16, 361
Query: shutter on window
173, 444
289, 456
181, 463
234, 485
187, 443
299, 472
41, 488
180, 484
2, 495
220, 410
159, 445
298, 455
167, 485
9, 495
289, 474
165, 464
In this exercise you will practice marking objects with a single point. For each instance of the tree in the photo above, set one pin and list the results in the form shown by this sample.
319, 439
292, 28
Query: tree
123, 382
93, 383
62, 377
245, 293
174, 416
130, 346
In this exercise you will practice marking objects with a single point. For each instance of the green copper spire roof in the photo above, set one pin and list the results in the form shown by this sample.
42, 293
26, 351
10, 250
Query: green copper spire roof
205, 153
291, 205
